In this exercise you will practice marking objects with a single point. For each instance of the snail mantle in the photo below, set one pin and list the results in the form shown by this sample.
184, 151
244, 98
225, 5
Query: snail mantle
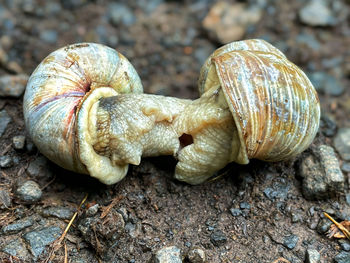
85, 110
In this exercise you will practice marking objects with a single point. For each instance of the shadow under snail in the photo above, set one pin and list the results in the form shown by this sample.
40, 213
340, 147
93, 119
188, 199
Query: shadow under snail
85, 110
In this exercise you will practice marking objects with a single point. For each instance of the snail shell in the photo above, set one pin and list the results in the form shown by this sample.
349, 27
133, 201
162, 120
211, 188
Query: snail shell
60, 94
274, 105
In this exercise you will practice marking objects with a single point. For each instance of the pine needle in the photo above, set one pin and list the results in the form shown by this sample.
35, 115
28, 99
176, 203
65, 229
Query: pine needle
338, 225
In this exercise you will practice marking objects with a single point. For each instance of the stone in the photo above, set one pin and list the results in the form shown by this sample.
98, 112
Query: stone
13, 85
328, 126
38, 167
16, 248
321, 174
196, 255
18, 142
236, 211
346, 167
5, 119
120, 14
342, 143
312, 256
6, 161
168, 255
345, 244
59, 212
326, 83
39, 239
244, 205
218, 238
323, 226
342, 257
92, 210
49, 36
290, 241
17, 226
29, 191
317, 13
5, 197
228, 22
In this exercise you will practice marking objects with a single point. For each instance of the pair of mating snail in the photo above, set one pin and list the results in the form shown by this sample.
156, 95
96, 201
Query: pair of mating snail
85, 110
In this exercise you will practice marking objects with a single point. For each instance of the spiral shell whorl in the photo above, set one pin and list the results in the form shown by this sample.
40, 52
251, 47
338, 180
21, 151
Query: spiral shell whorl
60, 84
274, 105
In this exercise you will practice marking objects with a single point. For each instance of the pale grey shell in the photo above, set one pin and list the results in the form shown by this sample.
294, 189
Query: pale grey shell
273, 103
58, 87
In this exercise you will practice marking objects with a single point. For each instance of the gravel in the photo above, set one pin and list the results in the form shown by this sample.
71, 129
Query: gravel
29, 191
326, 83
40, 238
317, 13
321, 173
290, 241
6, 161
168, 255
13, 85
5, 119
342, 257
16, 248
312, 256
18, 142
59, 212
228, 22
17, 226
342, 143
196, 255
218, 238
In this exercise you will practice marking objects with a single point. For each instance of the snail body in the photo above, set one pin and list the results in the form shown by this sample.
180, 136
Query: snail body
85, 110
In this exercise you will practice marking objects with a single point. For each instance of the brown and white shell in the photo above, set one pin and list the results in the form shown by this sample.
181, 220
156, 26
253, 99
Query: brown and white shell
273, 103
57, 95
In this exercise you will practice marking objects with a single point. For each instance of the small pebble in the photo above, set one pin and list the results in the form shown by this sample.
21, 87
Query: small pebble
345, 244
120, 14
228, 22
17, 249
346, 167
317, 13
6, 161
5, 119
92, 210
18, 142
328, 126
312, 256
236, 211
40, 238
59, 212
29, 191
296, 217
49, 36
342, 143
323, 225
5, 197
326, 83
196, 255
342, 257
17, 226
13, 85
244, 205
168, 255
218, 238
321, 173
38, 167
290, 241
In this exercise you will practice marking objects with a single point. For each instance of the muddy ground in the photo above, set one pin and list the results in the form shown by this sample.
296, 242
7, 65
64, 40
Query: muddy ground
252, 213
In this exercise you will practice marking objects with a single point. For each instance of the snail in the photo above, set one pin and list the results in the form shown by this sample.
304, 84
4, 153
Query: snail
85, 110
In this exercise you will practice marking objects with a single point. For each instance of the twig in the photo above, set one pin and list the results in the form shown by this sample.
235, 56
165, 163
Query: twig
338, 225
65, 253
58, 242
106, 209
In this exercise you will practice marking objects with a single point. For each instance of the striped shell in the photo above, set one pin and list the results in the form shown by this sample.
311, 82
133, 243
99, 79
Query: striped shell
274, 105
58, 90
